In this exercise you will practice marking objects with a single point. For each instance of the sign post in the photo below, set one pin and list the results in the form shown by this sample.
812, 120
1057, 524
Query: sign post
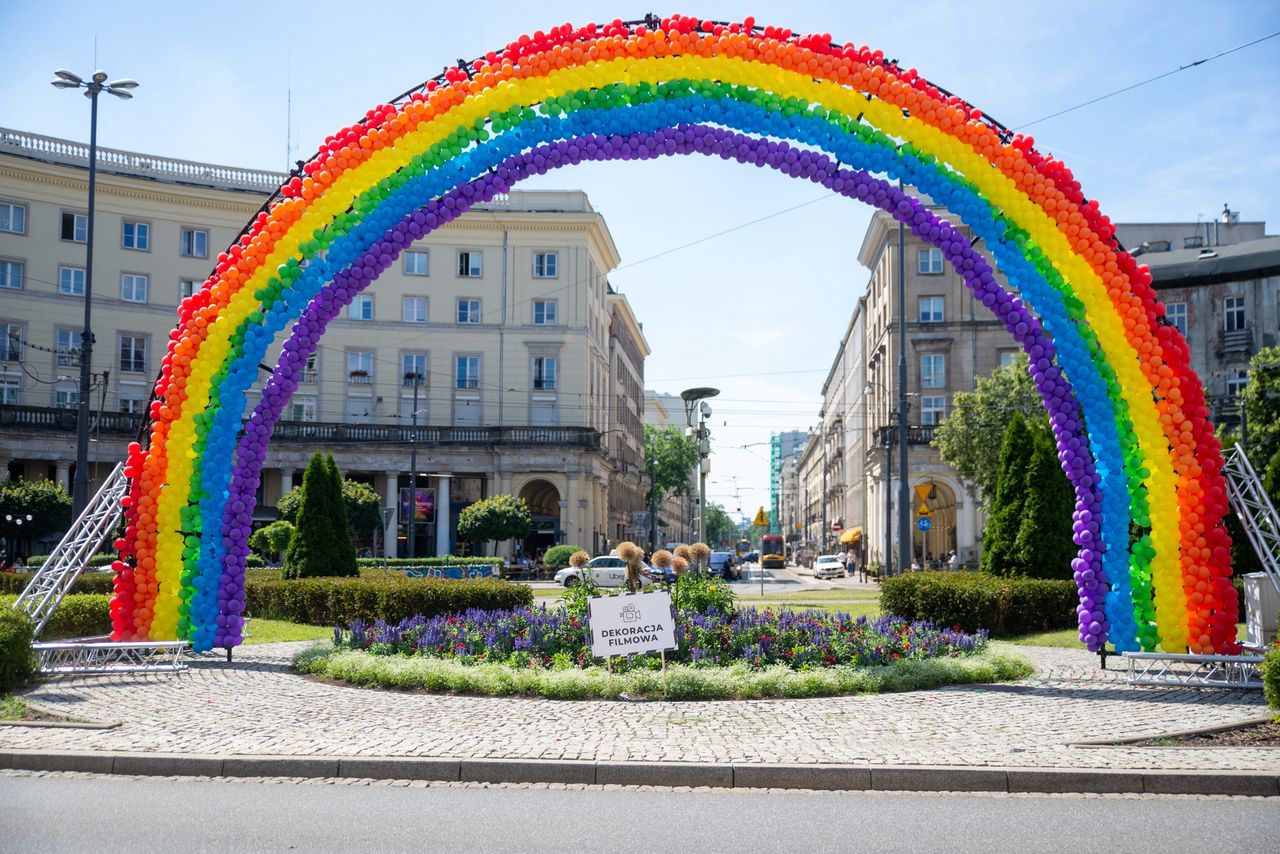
631, 624
761, 521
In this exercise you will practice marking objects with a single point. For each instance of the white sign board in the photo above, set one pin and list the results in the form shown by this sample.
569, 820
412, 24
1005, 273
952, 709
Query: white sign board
637, 622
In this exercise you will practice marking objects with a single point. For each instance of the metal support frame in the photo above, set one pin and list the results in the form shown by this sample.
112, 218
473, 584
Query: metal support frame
1198, 671
64, 658
1253, 506
82, 539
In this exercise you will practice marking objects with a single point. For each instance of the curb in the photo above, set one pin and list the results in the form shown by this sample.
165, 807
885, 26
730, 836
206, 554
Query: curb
739, 776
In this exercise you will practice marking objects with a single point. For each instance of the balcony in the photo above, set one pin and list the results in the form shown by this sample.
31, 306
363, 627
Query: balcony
917, 435
1235, 342
318, 432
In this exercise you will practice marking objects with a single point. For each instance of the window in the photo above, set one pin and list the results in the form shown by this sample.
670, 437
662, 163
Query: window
133, 287
11, 274
1008, 358
302, 409
1236, 381
75, 227
544, 312
67, 344
544, 373
13, 218
360, 366
1233, 314
10, 342
468, 311
137, 235
929, 261
932, 410
194, 243
1176, 314
10, 390
417, 263
309, 372
466, 372
131, 404
545, 265
66, 398
931, 309
71, 281
187, 288
133, 354
361, 307
933, 371
414, 310
470, 265
413, 369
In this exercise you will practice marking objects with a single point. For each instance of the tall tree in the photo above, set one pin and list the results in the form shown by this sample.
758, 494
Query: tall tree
722, 530
1044, 548
502, 517
45, 501
669, 460
970, 437
321, 543
1261, 398
999, 543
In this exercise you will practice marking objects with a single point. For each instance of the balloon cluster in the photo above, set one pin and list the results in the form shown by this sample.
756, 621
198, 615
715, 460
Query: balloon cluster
1127, 412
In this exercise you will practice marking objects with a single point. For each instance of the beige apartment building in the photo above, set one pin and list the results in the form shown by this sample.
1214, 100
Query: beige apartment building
495, 350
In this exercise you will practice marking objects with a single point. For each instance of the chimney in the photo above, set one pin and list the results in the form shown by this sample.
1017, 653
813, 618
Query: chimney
1229, 217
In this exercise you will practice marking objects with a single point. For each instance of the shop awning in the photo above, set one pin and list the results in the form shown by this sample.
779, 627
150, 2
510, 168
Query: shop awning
851, 536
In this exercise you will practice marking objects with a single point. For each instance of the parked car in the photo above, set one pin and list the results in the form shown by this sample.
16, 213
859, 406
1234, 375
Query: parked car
606, 571
725, 565
828, 566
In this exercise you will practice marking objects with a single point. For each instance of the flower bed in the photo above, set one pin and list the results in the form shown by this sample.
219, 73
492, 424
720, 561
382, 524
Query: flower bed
558, 639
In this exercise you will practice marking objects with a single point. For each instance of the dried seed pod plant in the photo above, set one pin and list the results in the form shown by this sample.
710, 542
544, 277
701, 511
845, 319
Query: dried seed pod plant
579, 559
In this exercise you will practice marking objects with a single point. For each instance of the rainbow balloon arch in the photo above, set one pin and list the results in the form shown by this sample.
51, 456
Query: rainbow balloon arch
1127, 412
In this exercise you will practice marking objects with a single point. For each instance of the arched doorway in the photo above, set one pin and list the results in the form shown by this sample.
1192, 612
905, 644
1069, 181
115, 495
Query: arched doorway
544, 506
931, 547
1125, 407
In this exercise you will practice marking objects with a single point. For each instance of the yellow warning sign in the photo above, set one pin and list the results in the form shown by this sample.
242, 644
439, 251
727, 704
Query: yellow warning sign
762, 519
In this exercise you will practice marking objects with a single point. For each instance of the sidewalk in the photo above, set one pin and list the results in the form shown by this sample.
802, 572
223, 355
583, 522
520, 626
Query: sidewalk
256, 718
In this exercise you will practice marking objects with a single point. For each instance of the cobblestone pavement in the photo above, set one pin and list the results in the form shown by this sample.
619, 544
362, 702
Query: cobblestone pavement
258, 706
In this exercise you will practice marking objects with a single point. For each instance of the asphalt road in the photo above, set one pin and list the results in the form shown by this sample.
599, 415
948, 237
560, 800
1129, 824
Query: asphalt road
63, 813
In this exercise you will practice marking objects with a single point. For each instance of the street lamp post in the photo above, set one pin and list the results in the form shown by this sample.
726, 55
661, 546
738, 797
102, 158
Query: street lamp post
692, 397
415, 378
93, 87
905, 541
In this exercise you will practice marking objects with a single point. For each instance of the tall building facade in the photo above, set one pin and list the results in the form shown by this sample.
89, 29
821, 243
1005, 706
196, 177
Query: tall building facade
494, 351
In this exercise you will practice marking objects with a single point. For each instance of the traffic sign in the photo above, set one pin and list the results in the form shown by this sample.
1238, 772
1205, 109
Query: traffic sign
923, 512
924, 523
762, 519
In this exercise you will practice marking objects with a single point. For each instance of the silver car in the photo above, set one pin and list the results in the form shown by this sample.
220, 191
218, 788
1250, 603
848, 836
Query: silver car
828, 566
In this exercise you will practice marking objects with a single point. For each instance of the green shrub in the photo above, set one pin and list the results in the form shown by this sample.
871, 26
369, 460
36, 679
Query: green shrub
447, 560
329, 601
321, 545
79, 615
557, 557
972, 601
270, 541
1271, 676
696, 591
86, 582
17, 663
98, 561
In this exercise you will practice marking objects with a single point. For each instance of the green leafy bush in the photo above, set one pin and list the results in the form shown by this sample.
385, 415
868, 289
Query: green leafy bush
447, 560
98, 561
557, 557
321, 546
696, 591
79, 615
86, 582
972, 601
17, 663
329, 601
270, 541
1271, 676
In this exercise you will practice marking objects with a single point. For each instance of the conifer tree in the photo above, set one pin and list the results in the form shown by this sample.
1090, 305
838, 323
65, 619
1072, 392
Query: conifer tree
321, 543
999, 543
1044, 548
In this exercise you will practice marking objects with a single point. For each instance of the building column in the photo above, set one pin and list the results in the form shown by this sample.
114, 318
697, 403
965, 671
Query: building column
391, 498
571, 516
444, 525
286, 481
63, 476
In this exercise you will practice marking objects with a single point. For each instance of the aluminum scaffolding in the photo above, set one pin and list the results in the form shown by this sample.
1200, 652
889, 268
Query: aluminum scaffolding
68, 560
1202, 671
1254, 509
77, 657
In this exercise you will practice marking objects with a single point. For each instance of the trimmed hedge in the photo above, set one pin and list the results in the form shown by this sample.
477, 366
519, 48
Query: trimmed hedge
330, 601
1271, 676
17, 664
976, 600
78, 615
377, 562
86, 582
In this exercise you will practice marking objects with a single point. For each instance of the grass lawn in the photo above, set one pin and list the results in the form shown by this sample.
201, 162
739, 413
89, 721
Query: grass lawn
277, 631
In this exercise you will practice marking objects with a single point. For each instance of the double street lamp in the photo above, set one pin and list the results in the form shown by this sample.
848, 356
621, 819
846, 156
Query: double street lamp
692, 397
93, 87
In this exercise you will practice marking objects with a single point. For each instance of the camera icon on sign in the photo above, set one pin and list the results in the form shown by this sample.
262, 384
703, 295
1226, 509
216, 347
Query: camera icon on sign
630, 614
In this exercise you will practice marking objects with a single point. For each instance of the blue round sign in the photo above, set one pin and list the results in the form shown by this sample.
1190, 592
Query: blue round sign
924, 523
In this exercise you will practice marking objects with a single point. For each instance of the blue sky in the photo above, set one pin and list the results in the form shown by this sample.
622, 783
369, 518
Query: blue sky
758, 311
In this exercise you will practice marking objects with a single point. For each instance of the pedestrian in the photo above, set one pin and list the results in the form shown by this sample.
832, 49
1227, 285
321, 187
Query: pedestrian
844, 562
